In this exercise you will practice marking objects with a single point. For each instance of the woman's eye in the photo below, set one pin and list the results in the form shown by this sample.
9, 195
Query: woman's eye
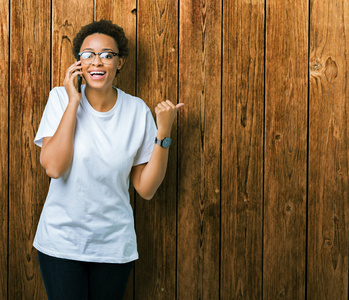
86, 55
107, 55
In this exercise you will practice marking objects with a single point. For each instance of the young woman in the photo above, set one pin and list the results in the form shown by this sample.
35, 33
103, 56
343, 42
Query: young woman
92, 144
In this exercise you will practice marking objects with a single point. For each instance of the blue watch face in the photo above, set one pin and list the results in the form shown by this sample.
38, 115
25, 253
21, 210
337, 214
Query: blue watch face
166, 142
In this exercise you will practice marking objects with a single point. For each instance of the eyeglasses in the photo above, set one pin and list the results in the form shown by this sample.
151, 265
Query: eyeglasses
88, 57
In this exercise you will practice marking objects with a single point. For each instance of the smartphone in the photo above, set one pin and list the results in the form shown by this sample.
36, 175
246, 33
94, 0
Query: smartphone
79, 76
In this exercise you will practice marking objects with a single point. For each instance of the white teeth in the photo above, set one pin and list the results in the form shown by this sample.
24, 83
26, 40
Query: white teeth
97, 73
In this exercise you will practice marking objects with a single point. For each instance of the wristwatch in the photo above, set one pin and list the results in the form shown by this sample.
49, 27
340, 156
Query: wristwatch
165, 143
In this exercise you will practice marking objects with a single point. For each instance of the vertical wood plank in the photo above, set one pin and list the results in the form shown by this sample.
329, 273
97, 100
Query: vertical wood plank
4, 93
285, 149
242, 149
156, 219
30, 84
68, 17
124, 14
199, 149
328, 153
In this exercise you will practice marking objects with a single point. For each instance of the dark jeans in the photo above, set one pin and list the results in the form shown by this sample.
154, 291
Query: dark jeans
66, 279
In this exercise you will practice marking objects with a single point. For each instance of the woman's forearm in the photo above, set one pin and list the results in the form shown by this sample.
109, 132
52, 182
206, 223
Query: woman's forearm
57, 152
153, 173
148, 177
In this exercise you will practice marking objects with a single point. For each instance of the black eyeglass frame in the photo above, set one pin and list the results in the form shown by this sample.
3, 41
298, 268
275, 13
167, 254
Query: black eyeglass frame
99, 54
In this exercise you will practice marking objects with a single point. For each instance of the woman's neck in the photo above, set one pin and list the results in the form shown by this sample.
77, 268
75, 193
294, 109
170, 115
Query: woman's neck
101, 100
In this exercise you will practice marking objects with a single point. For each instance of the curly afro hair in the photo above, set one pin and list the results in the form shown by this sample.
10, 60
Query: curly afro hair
105, 27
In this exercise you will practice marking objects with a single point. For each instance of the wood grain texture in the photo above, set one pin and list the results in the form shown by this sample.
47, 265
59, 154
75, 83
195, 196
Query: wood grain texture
242, 149
4, 104
156, 219
285, 150
328, 154
124, 14
238, 230
67, 19
30, 85
199, 150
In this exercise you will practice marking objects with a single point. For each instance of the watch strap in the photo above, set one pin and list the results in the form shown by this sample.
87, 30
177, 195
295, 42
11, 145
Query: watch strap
164, 143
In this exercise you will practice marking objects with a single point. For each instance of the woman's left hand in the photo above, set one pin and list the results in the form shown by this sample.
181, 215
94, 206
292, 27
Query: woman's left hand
166, 112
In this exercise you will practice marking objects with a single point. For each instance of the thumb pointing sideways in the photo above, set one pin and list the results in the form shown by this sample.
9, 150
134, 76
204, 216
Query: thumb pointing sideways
179, 105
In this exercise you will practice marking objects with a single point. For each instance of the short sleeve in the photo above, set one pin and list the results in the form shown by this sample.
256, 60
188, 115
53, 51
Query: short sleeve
144, 152
52, 116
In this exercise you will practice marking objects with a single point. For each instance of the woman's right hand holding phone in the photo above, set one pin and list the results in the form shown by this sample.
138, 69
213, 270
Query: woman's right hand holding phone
72, 72
57, 151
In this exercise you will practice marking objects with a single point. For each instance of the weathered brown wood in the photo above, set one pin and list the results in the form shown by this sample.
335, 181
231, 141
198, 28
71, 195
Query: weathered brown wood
4, 93
285, 149
199, 149
242, 149
219, 211
30, 84
123, 13
156, 219
67, 19
328, 151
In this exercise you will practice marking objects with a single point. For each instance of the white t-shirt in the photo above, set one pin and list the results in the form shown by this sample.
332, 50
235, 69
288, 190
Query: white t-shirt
87, 215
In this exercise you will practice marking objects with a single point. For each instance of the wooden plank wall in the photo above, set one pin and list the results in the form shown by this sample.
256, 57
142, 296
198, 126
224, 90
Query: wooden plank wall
328, 204
29, 77
255, 201
242, 150
285, 160
4, 97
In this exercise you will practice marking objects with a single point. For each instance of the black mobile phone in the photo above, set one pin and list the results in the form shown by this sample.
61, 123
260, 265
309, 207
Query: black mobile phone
79, 77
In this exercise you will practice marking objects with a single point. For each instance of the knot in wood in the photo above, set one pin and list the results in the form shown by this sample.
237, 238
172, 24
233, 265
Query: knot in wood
327, 244
30, 58
282, 293
288, 208
243, 120
316, 65
65, 37
319, 67
331, 69
66, 24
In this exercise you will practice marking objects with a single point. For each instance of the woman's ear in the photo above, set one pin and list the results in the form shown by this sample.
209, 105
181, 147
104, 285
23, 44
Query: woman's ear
121, 63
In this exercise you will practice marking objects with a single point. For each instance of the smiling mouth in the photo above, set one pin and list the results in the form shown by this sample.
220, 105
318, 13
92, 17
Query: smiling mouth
97, 74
